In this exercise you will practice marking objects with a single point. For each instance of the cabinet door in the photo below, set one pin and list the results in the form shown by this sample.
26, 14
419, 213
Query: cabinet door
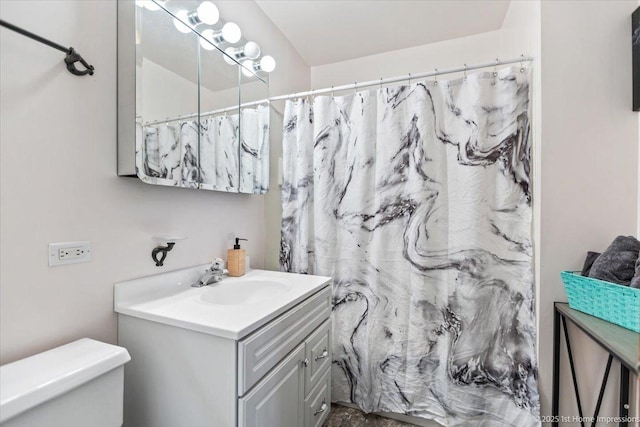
277, 400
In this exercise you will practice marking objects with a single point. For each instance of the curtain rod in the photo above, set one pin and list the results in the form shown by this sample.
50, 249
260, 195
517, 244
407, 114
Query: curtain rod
409, 77
209, 113
353, 86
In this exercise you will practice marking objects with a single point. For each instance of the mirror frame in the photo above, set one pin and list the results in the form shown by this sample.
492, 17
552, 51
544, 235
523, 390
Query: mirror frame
126, 92
126, 72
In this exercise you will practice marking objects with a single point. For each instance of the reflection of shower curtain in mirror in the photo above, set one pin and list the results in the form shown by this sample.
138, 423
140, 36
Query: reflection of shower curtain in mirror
219, 153
170, 154
254, 150
416, 199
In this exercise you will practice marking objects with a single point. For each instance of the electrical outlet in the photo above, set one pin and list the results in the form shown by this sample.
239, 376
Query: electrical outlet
69, 253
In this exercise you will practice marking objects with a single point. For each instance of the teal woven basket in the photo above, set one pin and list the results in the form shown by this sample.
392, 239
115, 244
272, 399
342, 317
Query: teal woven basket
614, 303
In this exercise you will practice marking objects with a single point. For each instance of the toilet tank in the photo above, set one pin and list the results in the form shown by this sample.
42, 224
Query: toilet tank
76, 385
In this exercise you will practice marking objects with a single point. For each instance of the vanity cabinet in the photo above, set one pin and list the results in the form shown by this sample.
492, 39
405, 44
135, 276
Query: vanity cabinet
296, 392
277, 375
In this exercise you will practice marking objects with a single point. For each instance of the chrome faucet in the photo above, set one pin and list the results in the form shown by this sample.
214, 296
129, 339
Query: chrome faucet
212, 275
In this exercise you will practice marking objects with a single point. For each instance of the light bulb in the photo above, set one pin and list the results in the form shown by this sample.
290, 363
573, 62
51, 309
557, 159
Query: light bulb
252, 50
183, 16
148, 4
231, 52
209, 43
267, 64
151, 5
247, 68
231, 32
208, 13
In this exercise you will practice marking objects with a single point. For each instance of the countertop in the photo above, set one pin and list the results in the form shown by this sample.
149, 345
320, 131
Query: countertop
169, 298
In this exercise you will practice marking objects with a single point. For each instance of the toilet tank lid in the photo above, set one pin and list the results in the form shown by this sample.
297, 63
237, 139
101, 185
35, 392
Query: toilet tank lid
34, 380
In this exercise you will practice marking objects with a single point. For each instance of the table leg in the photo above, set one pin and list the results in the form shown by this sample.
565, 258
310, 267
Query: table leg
602, 389
624, 395
555, 395
576, 390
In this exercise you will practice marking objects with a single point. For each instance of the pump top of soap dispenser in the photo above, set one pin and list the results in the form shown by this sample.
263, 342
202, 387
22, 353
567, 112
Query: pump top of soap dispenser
237, 245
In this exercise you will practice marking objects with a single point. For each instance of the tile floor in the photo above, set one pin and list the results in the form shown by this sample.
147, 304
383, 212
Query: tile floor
342, 416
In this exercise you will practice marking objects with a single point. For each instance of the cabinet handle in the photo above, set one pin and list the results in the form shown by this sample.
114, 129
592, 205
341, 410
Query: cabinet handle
324, 354
321, 410
305, 362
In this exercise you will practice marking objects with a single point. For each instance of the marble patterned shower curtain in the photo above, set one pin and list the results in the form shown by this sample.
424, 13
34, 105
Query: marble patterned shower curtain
416, 199
231, 154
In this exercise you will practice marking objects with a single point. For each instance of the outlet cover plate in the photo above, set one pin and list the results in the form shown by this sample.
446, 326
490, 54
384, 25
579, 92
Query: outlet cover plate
62, 253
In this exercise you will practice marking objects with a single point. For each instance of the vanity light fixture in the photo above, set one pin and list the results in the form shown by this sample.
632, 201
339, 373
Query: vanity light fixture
148, 4
182, 16
206, 13
251, 50
230, 33
267, 64
248, 66
230, 53
209, 39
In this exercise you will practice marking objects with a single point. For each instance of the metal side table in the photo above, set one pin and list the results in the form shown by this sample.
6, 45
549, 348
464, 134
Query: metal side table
620, 343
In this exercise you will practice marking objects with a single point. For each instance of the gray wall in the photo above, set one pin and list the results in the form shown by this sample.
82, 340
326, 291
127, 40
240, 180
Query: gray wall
589, 169
58, 178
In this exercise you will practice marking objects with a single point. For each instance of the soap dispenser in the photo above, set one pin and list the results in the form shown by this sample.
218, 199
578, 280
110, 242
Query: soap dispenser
236, 260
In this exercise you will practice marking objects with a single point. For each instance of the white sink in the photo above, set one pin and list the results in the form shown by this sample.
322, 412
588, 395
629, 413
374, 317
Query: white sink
232, 308
244, 291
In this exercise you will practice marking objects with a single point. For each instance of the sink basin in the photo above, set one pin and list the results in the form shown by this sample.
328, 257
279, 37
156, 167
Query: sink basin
232, 308
244, 291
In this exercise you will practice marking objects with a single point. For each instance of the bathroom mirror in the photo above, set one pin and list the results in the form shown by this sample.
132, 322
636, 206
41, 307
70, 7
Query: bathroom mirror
183, 120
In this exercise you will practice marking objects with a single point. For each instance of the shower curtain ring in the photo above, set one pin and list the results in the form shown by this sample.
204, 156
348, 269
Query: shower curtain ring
521, 61
465, 72
331, 91
409, 79
495, 68
355, 87
380, 83
435, 83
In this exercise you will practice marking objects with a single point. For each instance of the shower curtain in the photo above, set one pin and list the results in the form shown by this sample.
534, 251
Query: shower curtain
416, 199
222, 158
